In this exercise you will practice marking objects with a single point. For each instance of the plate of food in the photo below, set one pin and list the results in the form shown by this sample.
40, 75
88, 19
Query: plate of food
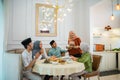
61, 61
47, 61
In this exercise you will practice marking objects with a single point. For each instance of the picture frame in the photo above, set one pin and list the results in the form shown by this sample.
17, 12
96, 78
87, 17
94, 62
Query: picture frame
46, 20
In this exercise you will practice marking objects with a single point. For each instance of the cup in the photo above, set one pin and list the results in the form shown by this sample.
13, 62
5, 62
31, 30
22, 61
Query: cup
67, 55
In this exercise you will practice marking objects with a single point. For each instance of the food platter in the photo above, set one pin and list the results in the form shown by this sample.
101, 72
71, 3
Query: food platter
55, 61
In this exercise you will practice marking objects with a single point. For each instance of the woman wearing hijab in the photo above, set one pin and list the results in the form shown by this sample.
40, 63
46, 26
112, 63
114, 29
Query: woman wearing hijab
74, 45
37, 48
86, 59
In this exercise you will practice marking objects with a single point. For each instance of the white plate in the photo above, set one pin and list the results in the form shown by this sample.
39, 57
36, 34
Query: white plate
66, 57
69, 61
55, 63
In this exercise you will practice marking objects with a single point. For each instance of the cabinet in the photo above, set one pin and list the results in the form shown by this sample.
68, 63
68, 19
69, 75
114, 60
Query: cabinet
108, 61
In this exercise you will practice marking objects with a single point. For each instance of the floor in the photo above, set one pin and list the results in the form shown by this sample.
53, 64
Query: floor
109, 77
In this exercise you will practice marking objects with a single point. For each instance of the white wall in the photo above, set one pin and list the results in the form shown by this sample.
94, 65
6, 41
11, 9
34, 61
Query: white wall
100, 17
82, 18
20, 22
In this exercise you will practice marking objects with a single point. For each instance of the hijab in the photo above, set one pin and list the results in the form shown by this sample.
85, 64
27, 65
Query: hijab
72, 36
84, 47
36, 48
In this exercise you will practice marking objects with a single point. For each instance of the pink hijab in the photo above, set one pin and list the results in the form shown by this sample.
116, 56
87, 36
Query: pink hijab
72, 36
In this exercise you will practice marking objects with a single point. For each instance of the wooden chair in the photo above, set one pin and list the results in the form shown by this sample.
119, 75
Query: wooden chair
95, 68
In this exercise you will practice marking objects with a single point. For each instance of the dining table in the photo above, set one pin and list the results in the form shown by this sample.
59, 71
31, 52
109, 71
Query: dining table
58, 69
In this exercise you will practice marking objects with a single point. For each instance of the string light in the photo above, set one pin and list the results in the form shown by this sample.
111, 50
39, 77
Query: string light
62, 8
117, 5
112, 17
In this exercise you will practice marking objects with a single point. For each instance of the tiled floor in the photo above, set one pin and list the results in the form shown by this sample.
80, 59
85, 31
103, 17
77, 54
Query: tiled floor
110, 77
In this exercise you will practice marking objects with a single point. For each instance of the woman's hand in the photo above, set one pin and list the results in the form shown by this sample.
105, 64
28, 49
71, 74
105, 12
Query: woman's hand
37, 55
73, 58
69, 47
53, 58
41, 51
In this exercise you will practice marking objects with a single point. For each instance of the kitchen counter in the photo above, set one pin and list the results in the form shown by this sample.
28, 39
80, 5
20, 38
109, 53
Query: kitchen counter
117, 56
107, 51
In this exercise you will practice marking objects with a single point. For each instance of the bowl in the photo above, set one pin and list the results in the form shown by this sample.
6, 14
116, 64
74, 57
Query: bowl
55, 63
69, 61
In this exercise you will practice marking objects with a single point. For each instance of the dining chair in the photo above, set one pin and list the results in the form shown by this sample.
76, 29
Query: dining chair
95, 68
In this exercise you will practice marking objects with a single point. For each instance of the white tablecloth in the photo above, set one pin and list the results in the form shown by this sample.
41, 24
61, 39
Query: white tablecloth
58, 69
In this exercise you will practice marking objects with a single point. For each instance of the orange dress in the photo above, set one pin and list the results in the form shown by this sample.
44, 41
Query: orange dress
75, 51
